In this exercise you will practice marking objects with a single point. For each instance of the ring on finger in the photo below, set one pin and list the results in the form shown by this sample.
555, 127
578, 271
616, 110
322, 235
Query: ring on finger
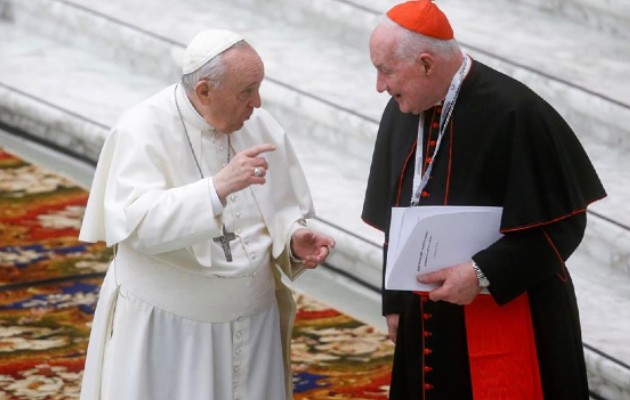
258, 172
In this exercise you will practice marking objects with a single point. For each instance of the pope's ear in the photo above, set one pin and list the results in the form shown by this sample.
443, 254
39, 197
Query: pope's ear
202, 91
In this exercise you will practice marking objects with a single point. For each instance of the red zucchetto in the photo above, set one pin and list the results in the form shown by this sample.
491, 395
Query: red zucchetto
423, 17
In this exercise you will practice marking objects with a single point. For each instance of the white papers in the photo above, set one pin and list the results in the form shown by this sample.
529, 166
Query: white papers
429, 238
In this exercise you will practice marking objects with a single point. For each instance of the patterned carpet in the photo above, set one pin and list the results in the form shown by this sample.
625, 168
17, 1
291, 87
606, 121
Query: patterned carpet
49, 284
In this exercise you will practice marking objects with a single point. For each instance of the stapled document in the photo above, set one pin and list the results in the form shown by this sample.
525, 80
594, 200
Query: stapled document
428, 238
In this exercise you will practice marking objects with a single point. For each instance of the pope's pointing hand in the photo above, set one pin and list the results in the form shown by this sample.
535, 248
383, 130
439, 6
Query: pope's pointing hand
246, 168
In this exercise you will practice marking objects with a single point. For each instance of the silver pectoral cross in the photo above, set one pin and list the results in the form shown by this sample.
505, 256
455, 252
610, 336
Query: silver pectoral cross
225, 242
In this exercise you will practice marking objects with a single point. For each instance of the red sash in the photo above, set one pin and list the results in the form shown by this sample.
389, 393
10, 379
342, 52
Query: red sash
502, 350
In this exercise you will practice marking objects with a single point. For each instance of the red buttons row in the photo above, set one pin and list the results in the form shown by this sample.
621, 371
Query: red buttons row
426, 350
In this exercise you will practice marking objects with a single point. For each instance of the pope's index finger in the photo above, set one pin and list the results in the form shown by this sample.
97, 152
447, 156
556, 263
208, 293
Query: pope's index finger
261, 148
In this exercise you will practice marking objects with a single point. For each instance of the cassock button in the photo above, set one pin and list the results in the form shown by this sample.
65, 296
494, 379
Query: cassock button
438, 109
435, 125
432, 143
426, 316
425, 194
428, 386
427, 334
427, 351
427, 369
424, 298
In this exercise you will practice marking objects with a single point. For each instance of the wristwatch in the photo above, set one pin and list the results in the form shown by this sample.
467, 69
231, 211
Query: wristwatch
482, 281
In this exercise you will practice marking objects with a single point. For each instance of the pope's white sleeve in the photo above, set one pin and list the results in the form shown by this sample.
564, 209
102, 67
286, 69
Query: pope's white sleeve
217, 206
175, 218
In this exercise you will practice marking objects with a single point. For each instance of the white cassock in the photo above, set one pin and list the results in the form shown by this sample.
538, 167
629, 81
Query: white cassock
174, 319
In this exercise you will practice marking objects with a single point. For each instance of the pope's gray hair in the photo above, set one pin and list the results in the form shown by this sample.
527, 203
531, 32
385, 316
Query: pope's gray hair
410, 43
212, 71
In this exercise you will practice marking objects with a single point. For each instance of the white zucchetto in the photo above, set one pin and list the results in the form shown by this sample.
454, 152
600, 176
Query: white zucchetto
205, 46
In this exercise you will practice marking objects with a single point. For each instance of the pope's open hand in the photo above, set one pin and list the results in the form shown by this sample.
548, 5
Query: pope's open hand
311, 247
458, 284
246, 168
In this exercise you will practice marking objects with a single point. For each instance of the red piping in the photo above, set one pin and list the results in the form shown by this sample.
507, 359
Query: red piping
555, 250
450, 164
429, 135
402, 173
543, 223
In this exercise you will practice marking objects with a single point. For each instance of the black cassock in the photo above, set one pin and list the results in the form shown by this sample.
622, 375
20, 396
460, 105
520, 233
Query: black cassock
507, 147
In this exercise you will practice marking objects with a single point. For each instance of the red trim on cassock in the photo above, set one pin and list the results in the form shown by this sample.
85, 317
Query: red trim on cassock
402, 172
502, 350
543, 223
555, 250
429, 136
450, 163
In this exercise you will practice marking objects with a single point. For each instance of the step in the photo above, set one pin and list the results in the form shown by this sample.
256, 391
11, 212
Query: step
611, 16
602, 278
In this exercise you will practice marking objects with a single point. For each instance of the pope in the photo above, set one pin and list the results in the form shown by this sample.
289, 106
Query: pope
204, 201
